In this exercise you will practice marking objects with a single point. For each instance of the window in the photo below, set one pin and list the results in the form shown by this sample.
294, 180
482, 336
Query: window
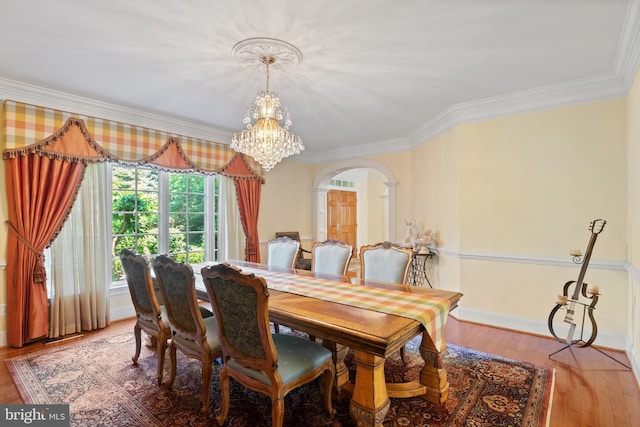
156, 212
341, 183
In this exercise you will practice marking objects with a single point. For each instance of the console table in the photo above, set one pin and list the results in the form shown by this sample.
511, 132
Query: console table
418, 269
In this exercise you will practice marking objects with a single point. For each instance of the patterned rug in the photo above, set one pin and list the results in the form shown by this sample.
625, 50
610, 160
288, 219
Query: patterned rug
103, 388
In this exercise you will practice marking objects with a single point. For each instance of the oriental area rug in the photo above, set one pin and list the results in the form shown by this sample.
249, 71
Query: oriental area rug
103, 388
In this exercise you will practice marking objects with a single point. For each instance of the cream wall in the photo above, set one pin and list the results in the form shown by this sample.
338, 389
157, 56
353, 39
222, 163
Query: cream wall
286, 203
436, 204
530, 184
400, 164
376, 218
510, 197
633, 140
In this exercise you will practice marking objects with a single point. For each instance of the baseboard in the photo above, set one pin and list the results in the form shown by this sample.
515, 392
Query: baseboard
537, 327
120, 313
634, 357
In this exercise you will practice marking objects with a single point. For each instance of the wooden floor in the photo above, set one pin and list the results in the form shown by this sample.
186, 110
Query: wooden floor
591, 390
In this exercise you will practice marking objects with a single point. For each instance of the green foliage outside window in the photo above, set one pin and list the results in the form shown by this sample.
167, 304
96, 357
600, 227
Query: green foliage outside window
135, 214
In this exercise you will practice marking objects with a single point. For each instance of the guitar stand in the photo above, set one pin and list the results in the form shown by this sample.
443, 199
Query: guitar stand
584, 307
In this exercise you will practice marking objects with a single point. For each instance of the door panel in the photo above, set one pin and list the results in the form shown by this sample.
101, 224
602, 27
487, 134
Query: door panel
341, 216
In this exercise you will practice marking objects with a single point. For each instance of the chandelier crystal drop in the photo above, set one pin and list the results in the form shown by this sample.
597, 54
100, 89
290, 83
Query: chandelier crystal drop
266, 140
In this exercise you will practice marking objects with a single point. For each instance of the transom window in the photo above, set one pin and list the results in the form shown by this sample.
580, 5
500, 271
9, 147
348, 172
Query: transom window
156, 212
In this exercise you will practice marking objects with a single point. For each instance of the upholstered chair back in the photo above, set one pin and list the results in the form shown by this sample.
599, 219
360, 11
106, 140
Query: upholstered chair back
150, 316
331, 257
136, 270
177, 285
282, 252
385, 262
191, 333
240, 303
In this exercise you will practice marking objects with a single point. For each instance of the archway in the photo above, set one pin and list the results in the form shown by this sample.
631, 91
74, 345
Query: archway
320, 188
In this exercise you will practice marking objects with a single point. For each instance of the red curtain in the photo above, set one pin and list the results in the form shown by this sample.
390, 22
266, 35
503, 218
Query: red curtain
40, 193
248, 194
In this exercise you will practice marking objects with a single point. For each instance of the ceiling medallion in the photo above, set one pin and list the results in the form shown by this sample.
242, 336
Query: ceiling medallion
266, 140
249, 53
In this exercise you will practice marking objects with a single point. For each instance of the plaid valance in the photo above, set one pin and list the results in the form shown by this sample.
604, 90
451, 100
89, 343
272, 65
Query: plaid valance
73, 137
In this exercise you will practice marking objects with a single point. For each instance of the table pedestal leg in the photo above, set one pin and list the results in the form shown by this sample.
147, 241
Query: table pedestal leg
369, 403
433, 375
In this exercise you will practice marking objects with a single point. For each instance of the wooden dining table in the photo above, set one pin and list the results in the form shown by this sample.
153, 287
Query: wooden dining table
373, 335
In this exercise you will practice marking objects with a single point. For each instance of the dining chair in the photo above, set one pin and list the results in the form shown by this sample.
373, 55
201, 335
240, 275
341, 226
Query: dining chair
331, 257
302, 263
193, 335
385, 262
150, 315
282, 252
272, 364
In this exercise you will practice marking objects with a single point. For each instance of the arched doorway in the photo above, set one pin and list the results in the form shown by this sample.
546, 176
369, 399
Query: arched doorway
321, 188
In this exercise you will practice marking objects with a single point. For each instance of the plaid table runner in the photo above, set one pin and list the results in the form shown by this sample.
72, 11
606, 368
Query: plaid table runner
432, 312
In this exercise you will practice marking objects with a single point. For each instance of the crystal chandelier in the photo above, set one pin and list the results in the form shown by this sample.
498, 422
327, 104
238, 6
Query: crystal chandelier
266, 140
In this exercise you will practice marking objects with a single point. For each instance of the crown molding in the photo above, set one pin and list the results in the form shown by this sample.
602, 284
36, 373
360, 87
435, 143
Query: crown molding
628, 55
358, 151
37, 95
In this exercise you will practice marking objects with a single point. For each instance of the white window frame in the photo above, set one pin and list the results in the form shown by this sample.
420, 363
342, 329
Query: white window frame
210, 252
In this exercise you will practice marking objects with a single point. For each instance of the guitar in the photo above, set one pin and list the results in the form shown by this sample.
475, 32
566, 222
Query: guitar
596, 227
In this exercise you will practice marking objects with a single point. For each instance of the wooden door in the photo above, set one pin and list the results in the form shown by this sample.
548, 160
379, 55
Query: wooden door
341, 217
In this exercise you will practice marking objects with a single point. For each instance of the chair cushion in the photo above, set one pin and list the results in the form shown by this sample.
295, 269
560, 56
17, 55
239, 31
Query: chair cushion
296, 357
152, 326
211, 323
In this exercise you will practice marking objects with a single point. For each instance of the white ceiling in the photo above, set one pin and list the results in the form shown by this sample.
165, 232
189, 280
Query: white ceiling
377, 75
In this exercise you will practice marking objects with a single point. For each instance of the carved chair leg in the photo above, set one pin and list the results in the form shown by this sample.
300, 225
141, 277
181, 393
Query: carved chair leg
224, 401
161, 347
207, 373
277, 414
138, 335
326, 387
172, 353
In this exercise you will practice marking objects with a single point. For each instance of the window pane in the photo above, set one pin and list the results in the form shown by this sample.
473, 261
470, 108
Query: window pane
147, 222
177, 222
177, 202
195, 242
124, 201
123, 178
196, 203
178, 182
177, 243
147, 179
196, 184
148, 244
147, 202
116, 270
196, 222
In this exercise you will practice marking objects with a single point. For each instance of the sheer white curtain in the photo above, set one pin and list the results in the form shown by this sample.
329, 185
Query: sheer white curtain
80, 256
233, 233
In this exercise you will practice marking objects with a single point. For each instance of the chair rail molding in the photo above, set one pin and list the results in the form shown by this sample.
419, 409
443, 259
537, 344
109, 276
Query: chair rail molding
566, 261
